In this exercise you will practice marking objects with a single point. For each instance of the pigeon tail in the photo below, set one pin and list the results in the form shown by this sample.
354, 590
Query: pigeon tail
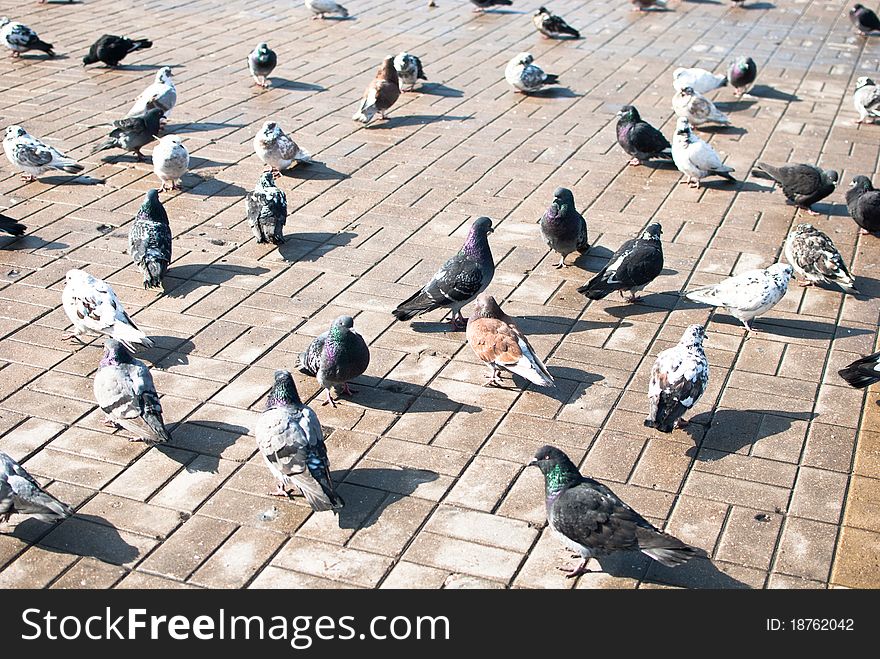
704, 295
109, 143
137, 44
595, 289
862, 372
723, 82
45, 47
130, 337
45, 507
416, 305
72, 168
664, 548
318, 491
765, 171
551, 79
10, 226
532, 370
157, 426
153, 271
665, 415
724, 173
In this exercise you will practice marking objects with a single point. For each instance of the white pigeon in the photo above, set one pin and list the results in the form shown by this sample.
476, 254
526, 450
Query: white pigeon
748, 295
30, 155
409, 70
321, 7
91, 304
694, 157
170, 161
699, 80
161, 94
275, 148
696, 108
526, 77
866, 99
678, 379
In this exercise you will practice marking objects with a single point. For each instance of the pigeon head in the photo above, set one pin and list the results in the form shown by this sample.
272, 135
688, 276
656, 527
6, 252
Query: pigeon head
693, 336
115, 353
487, 307
524, 59
88, 59
75, 276
283, 392
338, 330
346, 322
4, 21
164, 74
270, 128
744, 63
559, 471
856, 8
861, 183
541, 10
629, 113
781, 272
14, 131
652, 232
267, 180
263, 47
683, 127
386, 70
686, 91
564, 196
832, 176
864, 81
153, 208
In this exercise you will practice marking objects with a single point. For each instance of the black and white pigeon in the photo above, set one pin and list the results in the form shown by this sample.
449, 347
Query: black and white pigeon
149, 240
133, 133
261, 62
866, 99
694, 157
267, 210
526, 77
815, 258
678, 379
634, 265
639, 138
863, 203
741, 74
700, 80
291, 442
111, 50
409, 71
483, 5
748, 295
864, 20
10, 226
563, 228
553, 26
124, 390
21, 494
19, 38
802, 184
459, 281
91, 304
862, 372
32, 157
338, 355
593, 521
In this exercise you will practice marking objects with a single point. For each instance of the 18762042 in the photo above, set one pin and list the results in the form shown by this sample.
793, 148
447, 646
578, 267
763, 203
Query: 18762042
810, 624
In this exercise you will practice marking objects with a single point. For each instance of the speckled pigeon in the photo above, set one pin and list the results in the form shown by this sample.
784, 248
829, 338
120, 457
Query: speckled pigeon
863, 203
815, 258
699, 80
639, 138
161, 94
553, 26
338, 355
866, 99
802, 184
33, 157
277, 149
741, 74
261, 62
635, 264
21, 494
526, 77
563, 228
111, 50
149, 240
267, 210
19, 38
409, 71
697, 109
678, 379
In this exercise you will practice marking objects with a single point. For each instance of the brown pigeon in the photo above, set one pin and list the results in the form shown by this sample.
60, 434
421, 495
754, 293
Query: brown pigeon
380, 94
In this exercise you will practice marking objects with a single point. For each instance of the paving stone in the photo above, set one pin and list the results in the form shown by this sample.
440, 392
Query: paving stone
239, 558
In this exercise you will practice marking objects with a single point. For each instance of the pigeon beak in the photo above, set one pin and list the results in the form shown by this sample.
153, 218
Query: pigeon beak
532, 463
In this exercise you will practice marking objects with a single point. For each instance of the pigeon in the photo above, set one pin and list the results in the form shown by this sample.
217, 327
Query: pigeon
124, 390
694, 157
635, 264
261, 62
19, 38
12, 227
748, 295
483, 5
526, 77
161, 94
862, 372
21, 494
497, 341
30, 155
111, 50
277, 149
322, 7
741, 74
382, 92
170, 161
864, 20
863, 203
563, 228
338, 355
644, 5
866, 99
132, 133
699, 80
553, 26
267, 210
590, 519
802, 184
409, 71
697, 109
678, 379
91, 304
291, 442
149, 240
459, 281
639, 138
814, 257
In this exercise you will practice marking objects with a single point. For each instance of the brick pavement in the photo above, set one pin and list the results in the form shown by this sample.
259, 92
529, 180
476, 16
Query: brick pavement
431, 464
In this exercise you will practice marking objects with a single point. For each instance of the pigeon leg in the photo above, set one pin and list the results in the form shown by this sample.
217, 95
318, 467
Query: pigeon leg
805, 283
633, 298
578, 571
71, 335
110, 423
140, 156
348, 391
864, 232
635, 162
279, 491
561, 263
694, 184
810, 211
329, 399
28, 178
458, 321
681, 422
751, 330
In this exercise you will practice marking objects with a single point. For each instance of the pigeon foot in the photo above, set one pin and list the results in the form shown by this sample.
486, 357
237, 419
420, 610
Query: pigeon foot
348, 391
805, 283
110, 423
578, 571
329, 400
635, 162
279, 491
681, 423
864, 232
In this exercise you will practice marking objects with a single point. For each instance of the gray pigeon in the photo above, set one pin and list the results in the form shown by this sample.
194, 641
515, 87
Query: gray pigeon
133, 133
863, 203
563, 228
21, 493
866, 100
459, 281
291, 441
149, 240
802, 184
633, 266
678, 379
815, 258
267, 210
593, 521
639, 138
338, 355
124, 390
261, 62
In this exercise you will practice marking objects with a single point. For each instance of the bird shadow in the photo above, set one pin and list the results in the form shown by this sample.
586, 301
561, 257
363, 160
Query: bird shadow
398, 483
699, 572
555, 92
497, 11
164, 344
773, 94
417, 120
131, 67
314, 171
565, 373
645, 304
438, 89
752, 186
432, 327
833, 210
30, 242
792, 328
197, 127
554, 325
195, 275
214, 187
723, 432
309, 247
395, 396
198, 162
207, 438
293, 85
76, 179
734, 106
90, 535
758, 5
595, 252
704, 2
723, 130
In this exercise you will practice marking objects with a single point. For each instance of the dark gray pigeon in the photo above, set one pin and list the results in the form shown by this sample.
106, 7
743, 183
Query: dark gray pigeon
111, 50
20, 493
864, 20
10, 226
459, 281
133, 133
741, 74
124, 390
802, 184
593, 521
862, 372
149, 240
632, 267
291, 441
639, 138
563, 228
267, 210
261, 62
863, 203
338, 355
